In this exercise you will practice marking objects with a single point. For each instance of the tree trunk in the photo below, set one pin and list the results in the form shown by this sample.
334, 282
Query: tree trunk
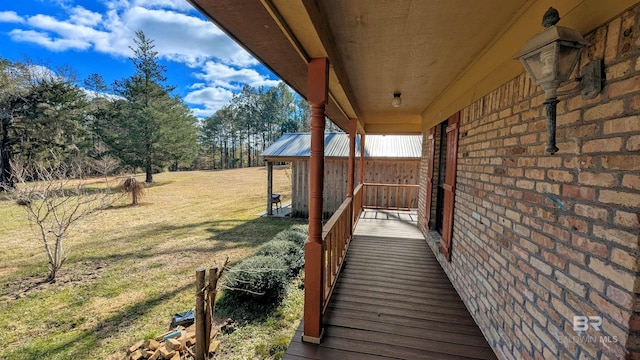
213, 156
233, 151
52, 274
226, 155
5, 157
248, 147
147, 166
240, 139
147, 169
56, 259
255, 156
221, 155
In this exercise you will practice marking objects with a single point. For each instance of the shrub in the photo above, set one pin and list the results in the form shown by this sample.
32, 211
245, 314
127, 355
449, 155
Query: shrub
301, 228
294, 236
274, 349
258, 277
290, 252
134, 187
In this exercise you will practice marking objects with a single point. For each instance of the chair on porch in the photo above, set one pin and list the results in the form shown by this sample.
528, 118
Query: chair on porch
275, 199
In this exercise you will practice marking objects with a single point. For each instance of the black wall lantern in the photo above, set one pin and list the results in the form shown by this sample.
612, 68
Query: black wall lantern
549, 59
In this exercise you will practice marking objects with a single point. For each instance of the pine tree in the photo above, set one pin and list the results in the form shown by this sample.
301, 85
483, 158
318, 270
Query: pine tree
41, 114
148, 128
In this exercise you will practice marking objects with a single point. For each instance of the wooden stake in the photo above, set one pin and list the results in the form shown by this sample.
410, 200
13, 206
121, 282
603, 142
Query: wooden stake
211, 299
200, 314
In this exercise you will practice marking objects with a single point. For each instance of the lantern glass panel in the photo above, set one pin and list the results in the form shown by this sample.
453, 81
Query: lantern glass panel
541, 65
567, 60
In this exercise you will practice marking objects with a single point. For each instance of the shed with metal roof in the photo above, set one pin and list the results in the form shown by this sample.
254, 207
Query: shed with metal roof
389, 159
298, 145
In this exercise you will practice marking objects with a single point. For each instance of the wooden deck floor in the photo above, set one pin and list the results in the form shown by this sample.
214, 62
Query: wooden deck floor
393, 301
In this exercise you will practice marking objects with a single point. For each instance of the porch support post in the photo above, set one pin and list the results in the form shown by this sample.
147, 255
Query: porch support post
362, 158
317, 95
351, 169
352, 156
269, 187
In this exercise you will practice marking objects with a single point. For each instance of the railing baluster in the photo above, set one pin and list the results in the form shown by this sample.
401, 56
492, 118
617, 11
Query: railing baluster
336, 233
336, 254
376, 202
379, 196
398, 197
411, 198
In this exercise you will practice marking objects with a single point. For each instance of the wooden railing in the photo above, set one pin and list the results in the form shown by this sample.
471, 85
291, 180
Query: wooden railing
336, 234
390, 196
357, 204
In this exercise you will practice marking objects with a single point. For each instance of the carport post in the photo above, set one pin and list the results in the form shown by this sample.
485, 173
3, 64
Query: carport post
269, 187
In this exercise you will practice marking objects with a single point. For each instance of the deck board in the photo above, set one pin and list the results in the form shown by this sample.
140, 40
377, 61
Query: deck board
393, 301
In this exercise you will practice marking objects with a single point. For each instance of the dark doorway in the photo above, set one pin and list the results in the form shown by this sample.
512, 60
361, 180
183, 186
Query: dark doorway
441, 162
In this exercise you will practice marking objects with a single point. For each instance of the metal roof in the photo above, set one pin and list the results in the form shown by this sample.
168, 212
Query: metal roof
337, 145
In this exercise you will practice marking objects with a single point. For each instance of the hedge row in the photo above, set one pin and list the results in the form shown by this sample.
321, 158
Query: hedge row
265, 275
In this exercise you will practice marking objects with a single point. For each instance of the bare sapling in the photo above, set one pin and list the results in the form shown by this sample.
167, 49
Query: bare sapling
104, 164
55, 197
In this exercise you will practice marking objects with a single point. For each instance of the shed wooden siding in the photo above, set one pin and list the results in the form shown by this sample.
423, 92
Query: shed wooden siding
335, 181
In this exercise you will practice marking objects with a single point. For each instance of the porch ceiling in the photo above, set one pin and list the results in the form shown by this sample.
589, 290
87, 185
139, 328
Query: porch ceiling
414, 47
440, 54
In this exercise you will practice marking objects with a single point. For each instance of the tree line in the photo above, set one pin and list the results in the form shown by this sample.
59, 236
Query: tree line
134, 124
237, 133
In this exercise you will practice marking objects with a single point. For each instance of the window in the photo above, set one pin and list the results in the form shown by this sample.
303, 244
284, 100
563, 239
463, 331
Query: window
441, 152
430, 148
442, 145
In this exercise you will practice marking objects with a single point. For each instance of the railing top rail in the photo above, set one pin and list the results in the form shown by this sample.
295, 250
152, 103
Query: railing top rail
336, 215
396, 185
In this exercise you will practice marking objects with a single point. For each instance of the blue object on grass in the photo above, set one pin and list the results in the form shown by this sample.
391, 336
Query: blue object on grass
184, 319
171, 335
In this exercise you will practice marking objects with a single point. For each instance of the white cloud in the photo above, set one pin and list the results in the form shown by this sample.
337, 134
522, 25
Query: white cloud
43, 39
11, 17
185, 38
209, 100
116, 4
220, 83
182, 5
41, 72
37, 72
177, 36
92, 94
231, 78
82, 16
220, 65
59, 35
61, 3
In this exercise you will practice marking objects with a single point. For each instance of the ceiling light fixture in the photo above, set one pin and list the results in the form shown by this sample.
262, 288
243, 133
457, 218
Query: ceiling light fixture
549, 59
396, 100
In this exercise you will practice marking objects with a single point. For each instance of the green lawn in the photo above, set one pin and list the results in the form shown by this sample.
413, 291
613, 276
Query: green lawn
131, 268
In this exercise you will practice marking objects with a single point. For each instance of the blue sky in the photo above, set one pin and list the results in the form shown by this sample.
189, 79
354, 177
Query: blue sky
205, 65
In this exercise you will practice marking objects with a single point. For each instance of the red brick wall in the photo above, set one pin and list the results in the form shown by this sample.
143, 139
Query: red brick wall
539, 239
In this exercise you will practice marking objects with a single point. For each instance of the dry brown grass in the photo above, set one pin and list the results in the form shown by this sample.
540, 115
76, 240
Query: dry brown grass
129, 268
